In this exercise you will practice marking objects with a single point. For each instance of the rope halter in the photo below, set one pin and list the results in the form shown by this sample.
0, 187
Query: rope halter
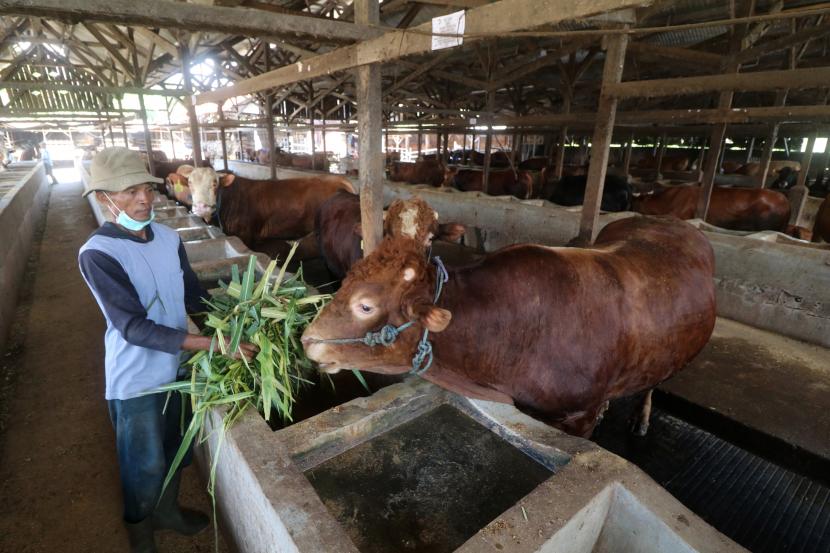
386, 336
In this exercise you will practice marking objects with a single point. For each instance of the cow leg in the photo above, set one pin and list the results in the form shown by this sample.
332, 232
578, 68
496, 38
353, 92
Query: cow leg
639, 426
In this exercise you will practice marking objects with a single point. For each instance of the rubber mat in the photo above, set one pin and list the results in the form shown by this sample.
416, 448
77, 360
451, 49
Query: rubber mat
760, 505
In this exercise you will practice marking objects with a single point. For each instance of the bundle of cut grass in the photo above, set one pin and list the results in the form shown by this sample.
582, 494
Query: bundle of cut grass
271, 314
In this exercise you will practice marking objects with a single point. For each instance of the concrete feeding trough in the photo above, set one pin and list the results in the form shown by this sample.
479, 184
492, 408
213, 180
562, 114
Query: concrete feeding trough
213, 258
416, 468
169, 211
24, 194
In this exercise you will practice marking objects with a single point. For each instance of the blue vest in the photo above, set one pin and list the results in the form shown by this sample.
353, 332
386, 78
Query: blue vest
155, 272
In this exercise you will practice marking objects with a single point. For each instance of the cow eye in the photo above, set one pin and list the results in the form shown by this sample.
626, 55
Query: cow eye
365, 308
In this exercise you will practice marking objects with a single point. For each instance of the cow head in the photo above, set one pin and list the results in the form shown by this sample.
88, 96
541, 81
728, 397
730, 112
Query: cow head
449, 177
204, 183
415, 219
393, 285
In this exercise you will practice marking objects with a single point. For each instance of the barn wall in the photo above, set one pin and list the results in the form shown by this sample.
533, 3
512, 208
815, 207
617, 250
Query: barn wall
22, 208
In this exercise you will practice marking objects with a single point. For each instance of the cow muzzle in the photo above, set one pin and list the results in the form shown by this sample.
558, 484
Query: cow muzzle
203, 210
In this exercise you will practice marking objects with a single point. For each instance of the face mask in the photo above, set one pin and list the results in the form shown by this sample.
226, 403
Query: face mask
128, 222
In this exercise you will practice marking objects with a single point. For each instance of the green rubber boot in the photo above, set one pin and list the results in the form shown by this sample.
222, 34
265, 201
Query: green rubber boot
170, 516
141, 536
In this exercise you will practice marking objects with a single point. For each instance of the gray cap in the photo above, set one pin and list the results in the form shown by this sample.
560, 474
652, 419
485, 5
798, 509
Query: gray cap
116, 169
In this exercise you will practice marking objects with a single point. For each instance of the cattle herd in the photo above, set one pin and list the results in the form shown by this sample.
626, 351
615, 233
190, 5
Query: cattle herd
623, 335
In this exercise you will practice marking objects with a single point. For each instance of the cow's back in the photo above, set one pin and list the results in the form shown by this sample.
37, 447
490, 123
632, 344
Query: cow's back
821, 228
679, 201
594, 324
749, 209
259, 209
334, 227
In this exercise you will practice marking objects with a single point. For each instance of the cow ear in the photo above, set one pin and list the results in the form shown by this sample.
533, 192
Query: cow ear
434, 318
450, 231
185, 170
227, 179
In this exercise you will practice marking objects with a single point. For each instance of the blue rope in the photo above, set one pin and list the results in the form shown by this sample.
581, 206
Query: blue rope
386, 336
422, 360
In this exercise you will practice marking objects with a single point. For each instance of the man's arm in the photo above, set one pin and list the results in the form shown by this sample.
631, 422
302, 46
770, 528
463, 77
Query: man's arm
122, 306
193, 291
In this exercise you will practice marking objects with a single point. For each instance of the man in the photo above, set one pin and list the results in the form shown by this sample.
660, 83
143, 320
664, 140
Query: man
140, 276
46, 158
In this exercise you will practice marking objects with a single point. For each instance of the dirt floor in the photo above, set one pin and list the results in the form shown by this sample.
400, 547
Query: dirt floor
59, 488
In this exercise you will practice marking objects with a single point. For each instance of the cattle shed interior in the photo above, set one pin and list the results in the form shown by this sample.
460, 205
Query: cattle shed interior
526, 121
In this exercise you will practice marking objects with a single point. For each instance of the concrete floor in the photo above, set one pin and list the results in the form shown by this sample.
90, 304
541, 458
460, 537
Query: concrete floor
59, 488
776, 385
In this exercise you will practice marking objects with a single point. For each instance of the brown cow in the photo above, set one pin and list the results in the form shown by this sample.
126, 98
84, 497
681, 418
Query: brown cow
591, 324
675, 162
427, 171
163, 168
753, 168
339, 233
255, 210
502, 183
821, 228
497, 159
751, 209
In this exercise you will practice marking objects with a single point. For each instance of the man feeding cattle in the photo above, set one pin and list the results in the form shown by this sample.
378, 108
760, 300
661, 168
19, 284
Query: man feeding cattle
556, 331
140, 276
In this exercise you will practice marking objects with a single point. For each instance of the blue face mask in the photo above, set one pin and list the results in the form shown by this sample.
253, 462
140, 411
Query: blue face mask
128, 222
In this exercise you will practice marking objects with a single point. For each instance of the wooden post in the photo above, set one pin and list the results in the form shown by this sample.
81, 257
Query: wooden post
750, 149
715, 150
488, 144
148, 139
627, 158
606, 115
369, 121
123, 124
559, 164
323, 133
661, 151
269, 120
223, 139
188, 103
769, 145
798, 194
310, 115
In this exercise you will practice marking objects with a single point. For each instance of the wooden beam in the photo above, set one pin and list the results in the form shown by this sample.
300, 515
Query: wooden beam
195, 137
782, 43
486, 21
815, 77
369, 122
686, 56
772, 138
161, 43
116, 55
193, 17
798, 194
606, 112
115, 90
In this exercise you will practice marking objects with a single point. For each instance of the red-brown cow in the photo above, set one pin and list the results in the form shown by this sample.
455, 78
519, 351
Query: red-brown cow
750, 209
427, 171
821, 228
339, 233
556, 331
497, 159
163, 168
519, 184
255, 210
178, 187
668, 163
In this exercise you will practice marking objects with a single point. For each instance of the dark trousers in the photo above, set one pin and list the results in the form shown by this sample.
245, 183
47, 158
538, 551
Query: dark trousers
147, 437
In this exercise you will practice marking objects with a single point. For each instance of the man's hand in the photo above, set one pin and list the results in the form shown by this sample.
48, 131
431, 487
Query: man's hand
248, 349
196, 342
